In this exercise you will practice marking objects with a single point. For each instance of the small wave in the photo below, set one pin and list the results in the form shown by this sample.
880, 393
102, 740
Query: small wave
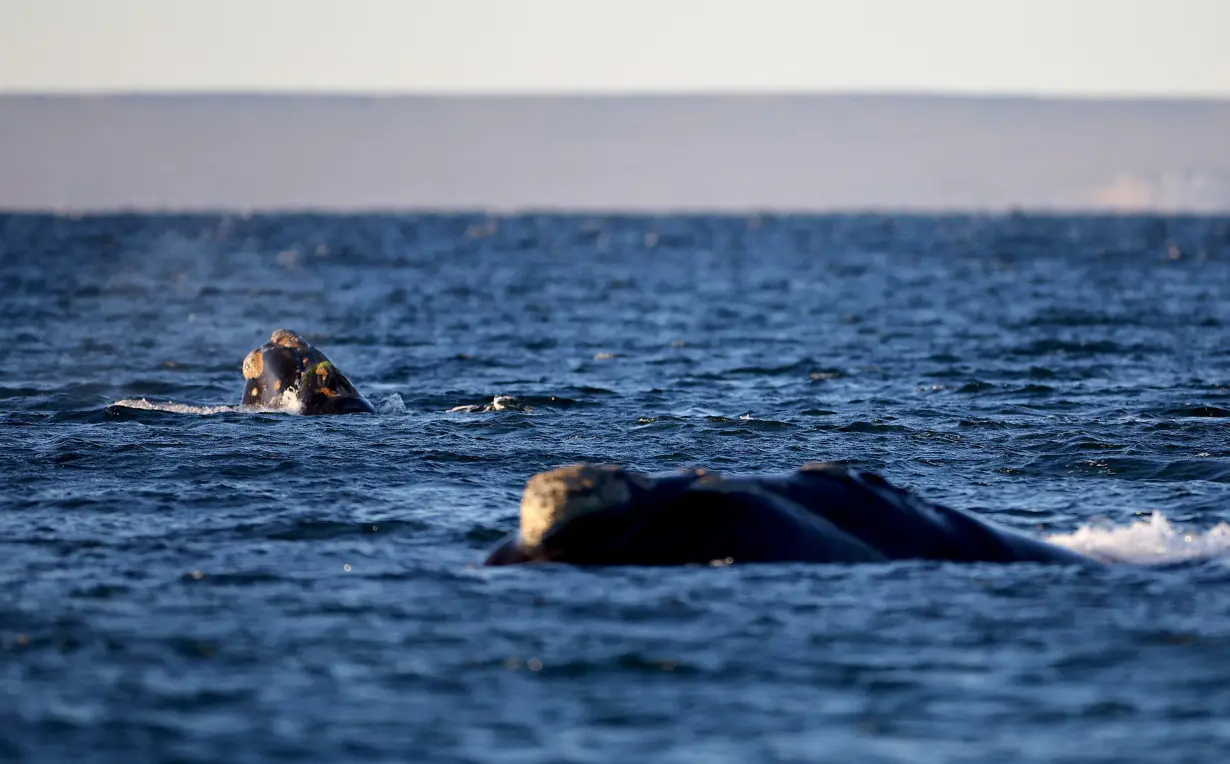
524, 404
818, 412
1151, 541
797, 367
1075, 348
874, 426
551, 401
659, 422
1204, 412
755, 423
976, 386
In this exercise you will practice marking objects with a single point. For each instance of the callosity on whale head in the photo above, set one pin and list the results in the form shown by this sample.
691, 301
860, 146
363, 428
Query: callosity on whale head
288, 372
605, 515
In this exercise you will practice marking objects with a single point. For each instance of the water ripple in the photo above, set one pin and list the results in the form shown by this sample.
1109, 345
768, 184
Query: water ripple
184, 580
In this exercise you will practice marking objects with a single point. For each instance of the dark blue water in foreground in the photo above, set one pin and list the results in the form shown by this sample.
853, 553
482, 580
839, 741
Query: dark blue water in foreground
182, 581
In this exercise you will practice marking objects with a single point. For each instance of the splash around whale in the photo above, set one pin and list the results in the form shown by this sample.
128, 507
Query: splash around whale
287, 374
822, 513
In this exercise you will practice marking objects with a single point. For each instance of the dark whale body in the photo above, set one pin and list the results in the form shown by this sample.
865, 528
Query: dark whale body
604, 515
287, 362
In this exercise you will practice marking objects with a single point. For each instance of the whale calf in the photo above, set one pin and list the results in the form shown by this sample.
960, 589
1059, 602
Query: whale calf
289, 371
824, 513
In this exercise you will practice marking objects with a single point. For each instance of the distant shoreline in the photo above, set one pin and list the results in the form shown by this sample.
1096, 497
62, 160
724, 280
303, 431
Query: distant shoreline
635, 153
614, 214
620, 95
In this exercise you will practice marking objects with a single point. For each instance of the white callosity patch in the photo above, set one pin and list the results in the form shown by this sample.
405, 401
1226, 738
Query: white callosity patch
555, 498
1153, 540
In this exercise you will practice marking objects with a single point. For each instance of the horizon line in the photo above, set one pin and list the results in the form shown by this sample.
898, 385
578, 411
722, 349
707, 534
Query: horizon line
513, 211
613, 94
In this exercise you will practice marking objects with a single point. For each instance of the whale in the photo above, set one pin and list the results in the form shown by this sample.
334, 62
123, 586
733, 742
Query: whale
289, 372
603, 514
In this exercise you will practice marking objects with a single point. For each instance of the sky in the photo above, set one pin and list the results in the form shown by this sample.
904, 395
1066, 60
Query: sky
1169, 48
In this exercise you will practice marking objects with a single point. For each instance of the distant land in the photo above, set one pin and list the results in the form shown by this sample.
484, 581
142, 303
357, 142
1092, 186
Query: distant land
633, 153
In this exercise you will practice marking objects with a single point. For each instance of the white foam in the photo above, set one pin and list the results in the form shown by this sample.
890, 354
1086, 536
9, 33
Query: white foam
174, 408
287, 403
498, 403
1149, 541
391, 404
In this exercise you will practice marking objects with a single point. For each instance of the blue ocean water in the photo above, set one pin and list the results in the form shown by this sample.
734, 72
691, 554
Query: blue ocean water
181, 580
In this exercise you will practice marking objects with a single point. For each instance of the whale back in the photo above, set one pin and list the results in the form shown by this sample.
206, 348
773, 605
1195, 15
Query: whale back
605, 515
905, 526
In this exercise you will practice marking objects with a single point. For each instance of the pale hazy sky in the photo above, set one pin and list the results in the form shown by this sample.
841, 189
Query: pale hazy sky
1079, 47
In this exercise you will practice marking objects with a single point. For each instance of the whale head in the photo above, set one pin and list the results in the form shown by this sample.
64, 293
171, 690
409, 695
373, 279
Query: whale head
587, 513
556, 498
288, 372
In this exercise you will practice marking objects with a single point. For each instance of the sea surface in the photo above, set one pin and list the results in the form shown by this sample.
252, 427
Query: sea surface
183, 580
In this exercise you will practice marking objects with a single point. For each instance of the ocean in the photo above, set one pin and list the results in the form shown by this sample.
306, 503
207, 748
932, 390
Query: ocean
183, 580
